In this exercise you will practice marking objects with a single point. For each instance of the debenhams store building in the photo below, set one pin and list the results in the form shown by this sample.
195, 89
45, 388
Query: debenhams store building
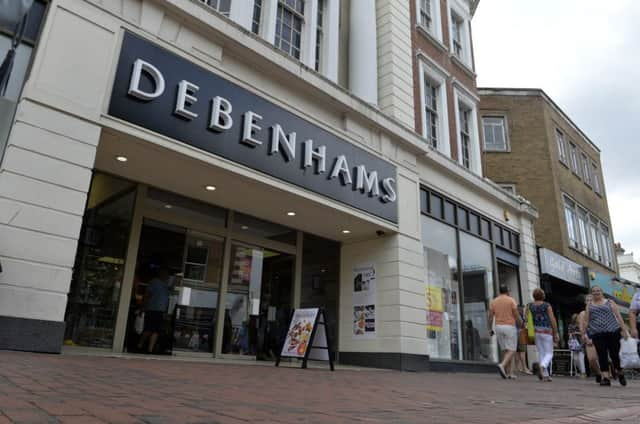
160, 135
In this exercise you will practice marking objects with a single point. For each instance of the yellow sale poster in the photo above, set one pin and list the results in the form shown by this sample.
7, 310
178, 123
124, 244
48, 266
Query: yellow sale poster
433, 297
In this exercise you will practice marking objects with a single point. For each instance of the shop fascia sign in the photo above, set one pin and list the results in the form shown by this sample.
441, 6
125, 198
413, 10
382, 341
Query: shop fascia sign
560, 267
223, 118
220, 120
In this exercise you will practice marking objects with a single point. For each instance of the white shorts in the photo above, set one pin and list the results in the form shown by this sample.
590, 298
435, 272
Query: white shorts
507, 337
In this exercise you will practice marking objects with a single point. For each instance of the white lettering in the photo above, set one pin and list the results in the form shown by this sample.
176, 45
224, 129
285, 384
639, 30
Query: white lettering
289, 143
389, 190
341, 167
249, 128
220, 119
320, 154
367, 183
185, 98
134, 85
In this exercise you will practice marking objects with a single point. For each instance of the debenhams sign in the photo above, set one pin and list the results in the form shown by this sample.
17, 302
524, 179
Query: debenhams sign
163, 92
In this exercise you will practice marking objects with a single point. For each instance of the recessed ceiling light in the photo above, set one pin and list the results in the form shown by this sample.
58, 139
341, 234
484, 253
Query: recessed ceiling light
210, 188
168, 206
244, 227
346, 232
291, 213
121, 158
323, 270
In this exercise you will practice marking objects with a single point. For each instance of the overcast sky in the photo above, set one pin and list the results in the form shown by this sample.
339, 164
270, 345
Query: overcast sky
585, 54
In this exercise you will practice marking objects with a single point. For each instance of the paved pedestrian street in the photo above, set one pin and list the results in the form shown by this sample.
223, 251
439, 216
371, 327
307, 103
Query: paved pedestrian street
42, 388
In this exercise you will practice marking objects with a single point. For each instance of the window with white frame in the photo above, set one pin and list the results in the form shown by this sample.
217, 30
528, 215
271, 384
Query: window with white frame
509, 188
586, 169
257, 15
595, 176
289, 23
571, 221
222, 6
319, 34
426, 14
562, 146
495, 134
587, 233
435, 128
575, 165
431, 94
464, 126
457, 39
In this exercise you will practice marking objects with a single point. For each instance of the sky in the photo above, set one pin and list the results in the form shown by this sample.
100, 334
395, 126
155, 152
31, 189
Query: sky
585, 54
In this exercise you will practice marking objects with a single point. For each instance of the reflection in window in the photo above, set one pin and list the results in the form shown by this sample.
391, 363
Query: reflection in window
442, 291
477, 277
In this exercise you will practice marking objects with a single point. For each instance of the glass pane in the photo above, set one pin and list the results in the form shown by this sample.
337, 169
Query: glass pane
320, 279
99, 266
197, 296
449, 212
188, 208
442, 291
20, 65
263, 229
463, 218
436, 205
477, 269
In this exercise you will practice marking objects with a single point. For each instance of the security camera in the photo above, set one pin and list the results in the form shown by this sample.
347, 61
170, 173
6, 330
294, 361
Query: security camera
380, 233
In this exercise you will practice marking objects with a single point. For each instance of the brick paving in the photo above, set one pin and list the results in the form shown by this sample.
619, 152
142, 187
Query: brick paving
40, 388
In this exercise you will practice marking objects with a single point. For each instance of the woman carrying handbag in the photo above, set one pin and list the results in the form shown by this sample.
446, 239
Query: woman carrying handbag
603, 324
540, 314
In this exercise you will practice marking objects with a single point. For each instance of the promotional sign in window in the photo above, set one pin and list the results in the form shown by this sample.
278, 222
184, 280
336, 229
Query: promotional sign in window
364, 301
435, 309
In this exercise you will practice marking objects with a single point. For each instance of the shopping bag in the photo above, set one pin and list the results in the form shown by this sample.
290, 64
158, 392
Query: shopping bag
139, 323
531, 330
629, 353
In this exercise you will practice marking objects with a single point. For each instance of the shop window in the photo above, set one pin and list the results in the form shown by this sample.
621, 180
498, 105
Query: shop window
424, 201
442, 288
508, 275
94, 293
449, 212
245, 224
497, 234
506, 238
478, 283
515, 242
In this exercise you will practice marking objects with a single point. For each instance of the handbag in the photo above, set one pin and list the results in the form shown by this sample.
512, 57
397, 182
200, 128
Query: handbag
523, 337
574, 345
531, 329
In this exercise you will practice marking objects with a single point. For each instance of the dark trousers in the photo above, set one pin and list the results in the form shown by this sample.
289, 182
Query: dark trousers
608, 345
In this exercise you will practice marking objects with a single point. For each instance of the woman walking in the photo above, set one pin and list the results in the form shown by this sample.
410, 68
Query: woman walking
520, 358
603, 326
575, 345
546, 332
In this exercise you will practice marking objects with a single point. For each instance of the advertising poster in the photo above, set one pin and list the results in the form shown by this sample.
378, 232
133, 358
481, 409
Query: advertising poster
364, 301
299, 334
435, 310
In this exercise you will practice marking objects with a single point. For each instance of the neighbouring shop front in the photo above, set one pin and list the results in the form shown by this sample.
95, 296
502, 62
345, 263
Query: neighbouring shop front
617, 289
565, 284
466, 257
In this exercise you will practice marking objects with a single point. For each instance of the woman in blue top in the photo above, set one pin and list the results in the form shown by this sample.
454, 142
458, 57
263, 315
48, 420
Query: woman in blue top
546, 332
604, 324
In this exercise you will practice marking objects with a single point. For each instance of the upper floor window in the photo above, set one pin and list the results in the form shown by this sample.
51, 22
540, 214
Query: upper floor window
495, 134
289, 22
571, 221
595, 175
431, 90
222, 6
464, 115
587, 233
426, 14
257, 14
562, 146
457, 36
575, 166
319, 34
586, 171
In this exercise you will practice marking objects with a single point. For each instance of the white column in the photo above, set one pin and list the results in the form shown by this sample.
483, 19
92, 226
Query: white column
363, 50
331, 39
268, 24
309, 34
242, 13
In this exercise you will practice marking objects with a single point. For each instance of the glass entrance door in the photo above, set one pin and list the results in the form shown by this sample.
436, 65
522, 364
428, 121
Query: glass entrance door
258, 301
